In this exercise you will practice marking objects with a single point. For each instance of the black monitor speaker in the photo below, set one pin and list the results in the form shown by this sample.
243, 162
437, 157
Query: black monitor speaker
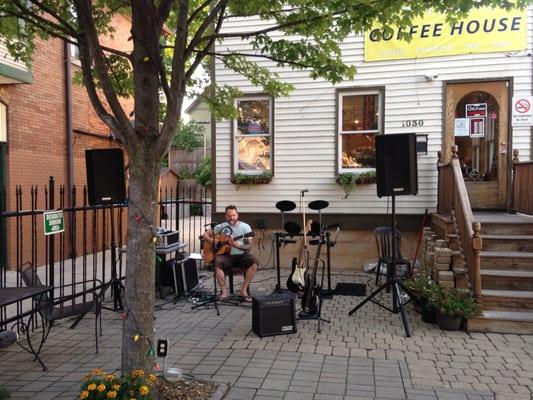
105, 176
396, 164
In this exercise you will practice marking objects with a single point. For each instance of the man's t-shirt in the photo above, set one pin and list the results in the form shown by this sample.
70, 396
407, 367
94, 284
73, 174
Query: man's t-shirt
241, 228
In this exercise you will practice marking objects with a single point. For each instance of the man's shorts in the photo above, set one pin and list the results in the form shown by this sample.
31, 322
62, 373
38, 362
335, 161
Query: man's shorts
228, 261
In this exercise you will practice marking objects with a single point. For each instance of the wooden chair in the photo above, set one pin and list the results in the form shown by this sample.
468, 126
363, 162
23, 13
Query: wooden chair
65, 306
383, 237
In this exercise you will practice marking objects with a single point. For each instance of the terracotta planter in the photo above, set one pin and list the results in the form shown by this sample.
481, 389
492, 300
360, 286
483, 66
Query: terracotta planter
448, 322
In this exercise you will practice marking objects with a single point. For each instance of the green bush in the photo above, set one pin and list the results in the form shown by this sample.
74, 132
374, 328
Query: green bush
203, 173
347, 181
190, 135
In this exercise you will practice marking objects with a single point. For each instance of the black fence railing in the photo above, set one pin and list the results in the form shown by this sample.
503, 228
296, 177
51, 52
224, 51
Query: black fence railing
82, 252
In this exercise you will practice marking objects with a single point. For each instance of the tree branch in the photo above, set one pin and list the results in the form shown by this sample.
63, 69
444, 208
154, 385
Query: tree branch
92, 50
201, 54
41, 5
266, 56
219, 8
198, 10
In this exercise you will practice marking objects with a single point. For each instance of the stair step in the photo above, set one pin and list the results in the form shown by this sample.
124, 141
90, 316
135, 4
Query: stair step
508, 228
508, 243
499, 279
507, 300
507, 260
518, 322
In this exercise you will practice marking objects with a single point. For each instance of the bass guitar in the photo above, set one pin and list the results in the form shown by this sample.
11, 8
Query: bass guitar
297, 277
311, 297
222, 245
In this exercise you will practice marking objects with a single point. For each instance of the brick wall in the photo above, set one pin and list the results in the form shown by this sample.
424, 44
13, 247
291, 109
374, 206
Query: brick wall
37, 145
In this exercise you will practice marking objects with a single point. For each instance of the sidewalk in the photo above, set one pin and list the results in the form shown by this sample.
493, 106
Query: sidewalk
364, 356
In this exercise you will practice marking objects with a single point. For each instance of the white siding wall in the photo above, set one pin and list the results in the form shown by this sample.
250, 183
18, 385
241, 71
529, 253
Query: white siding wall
304, 130
7, 59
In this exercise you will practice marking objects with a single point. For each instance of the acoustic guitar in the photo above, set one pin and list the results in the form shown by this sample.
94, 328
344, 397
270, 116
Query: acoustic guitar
222, 245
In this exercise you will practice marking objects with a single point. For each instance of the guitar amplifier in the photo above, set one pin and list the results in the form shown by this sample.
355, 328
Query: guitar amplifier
187, 275
273, 315
167, 238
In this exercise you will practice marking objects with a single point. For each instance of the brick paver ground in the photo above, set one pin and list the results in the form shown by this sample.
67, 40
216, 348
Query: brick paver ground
364, 356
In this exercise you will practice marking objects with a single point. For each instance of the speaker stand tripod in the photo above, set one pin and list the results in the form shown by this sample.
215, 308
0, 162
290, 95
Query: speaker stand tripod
392, 282
117, 288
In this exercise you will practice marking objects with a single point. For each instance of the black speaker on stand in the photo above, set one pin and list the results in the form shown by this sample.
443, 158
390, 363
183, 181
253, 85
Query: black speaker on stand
106, 186
396, 173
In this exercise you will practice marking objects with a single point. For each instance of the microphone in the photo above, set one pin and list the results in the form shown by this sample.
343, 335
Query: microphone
304, 191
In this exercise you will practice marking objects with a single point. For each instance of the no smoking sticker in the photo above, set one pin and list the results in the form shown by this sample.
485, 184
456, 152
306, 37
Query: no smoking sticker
522, 106
522, 112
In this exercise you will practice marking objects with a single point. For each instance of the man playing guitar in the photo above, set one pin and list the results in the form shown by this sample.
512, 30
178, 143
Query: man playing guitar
239, 256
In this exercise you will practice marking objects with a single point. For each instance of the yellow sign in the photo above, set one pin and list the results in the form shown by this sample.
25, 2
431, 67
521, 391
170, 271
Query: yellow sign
485, 30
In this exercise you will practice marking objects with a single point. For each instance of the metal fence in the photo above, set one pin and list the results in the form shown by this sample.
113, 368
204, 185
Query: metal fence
83, 250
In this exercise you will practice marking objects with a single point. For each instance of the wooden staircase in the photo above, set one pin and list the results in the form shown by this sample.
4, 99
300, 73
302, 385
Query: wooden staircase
506, 274
493, 255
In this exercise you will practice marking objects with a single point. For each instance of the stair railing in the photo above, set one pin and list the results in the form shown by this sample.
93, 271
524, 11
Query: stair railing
522, 185
452, 195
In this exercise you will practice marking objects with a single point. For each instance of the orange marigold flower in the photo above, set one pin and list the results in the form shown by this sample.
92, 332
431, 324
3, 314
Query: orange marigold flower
97, 371
92, 386
137, 372
152, 378
101, 387
143, 390
112, 394
84, 394
116, 387
110, 377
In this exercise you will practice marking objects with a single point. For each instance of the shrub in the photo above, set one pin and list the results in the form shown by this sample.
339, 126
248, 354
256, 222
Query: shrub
203, 173
189, 136
457, 303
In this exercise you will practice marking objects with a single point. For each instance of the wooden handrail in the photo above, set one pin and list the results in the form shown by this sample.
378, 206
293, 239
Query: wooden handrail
522, 185
453, 200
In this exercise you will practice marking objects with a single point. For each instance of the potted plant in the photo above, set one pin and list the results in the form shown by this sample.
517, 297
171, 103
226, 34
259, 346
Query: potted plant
368, 177
453, 306
347, 181
426, 292
245, 179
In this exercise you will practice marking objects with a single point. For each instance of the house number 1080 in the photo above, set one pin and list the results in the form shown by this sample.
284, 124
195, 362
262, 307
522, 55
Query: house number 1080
412, 123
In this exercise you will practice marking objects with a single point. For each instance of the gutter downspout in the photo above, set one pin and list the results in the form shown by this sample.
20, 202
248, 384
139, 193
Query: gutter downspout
68, 121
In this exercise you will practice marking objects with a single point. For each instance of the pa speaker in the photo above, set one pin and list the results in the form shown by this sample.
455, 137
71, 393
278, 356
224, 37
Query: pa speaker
396, 164
105, 176
273, 315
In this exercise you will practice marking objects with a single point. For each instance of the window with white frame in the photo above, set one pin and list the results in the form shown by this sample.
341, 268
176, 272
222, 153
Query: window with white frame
252, 148
360, 120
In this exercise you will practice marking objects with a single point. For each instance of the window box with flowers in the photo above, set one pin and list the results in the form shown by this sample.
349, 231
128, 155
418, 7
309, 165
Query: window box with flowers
246, 179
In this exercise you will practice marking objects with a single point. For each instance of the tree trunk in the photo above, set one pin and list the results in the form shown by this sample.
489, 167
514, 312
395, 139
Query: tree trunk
140, 266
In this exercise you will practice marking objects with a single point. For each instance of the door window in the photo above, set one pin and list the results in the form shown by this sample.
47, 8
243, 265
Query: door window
478, 116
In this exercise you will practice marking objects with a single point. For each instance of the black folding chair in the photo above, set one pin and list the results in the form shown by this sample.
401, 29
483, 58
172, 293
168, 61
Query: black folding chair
383, 235
57, 308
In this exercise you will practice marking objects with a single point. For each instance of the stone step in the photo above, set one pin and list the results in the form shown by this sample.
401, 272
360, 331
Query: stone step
508, 243
499, 279
507, 300
515, 260
516, 322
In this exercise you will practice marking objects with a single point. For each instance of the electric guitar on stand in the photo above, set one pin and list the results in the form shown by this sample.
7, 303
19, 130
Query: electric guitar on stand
311, 298
297, 278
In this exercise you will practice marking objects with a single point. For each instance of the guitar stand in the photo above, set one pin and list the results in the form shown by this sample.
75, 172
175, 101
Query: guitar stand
304, 316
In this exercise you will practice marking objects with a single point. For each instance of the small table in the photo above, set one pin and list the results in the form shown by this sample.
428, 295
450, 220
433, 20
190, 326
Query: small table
164, 251
11, 295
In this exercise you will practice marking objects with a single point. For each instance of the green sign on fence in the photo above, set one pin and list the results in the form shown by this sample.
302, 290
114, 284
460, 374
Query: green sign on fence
53, 222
